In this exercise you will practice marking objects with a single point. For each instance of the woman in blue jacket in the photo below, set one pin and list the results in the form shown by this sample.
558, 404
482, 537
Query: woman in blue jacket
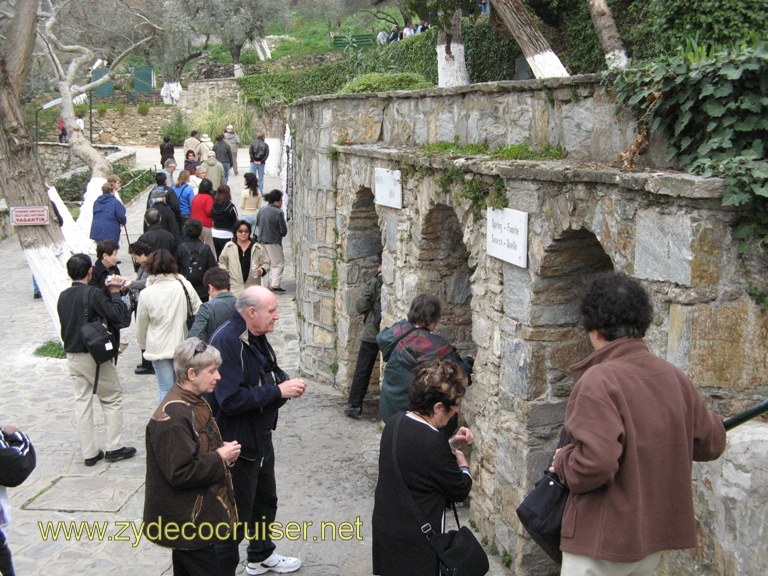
108, 216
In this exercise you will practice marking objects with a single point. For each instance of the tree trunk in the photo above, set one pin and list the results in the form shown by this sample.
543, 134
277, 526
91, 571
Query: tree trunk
451, 64
605, 26
262, 49
543, 61
44, 245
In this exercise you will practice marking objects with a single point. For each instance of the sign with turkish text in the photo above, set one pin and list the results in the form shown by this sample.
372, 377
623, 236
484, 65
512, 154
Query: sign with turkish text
507, 236
29, 215
388, 188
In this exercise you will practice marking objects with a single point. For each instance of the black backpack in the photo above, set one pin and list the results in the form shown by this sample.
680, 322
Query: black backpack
196, 267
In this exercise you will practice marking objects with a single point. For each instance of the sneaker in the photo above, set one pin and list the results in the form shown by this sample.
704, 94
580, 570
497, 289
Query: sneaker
275, 563
121, 454
353, 411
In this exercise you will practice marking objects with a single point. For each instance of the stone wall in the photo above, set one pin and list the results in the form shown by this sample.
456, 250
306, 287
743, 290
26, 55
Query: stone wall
58, 158
667, 229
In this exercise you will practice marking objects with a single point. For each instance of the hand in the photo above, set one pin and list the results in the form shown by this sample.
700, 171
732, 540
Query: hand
292, 388
229, 452
462, 438
9, 430
552, 465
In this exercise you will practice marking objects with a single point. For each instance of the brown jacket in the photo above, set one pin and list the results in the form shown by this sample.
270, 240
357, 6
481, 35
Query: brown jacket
637, 424
187, 481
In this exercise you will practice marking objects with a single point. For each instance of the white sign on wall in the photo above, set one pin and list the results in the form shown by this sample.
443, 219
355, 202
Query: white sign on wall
388, 188
507, 236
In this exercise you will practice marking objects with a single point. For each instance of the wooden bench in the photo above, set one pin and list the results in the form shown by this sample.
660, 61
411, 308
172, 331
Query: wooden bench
358, 41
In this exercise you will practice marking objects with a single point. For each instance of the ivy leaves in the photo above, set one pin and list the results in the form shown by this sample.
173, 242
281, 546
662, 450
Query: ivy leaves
714, 113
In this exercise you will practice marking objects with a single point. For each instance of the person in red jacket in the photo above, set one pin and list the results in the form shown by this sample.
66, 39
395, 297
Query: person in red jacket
637, 424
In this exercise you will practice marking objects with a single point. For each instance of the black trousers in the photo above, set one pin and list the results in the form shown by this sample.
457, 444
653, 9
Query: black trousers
256, 498
219, 559
366, 360
6, 562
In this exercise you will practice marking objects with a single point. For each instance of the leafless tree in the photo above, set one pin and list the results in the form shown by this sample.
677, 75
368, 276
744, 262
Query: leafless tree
605, 26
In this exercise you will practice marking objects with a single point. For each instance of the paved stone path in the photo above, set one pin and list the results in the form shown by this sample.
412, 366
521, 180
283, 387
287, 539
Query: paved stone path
326, 463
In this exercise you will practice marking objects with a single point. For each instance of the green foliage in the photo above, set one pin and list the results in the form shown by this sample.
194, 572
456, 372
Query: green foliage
480, 195
490, 56
72, 189
522, 151
134, 182
714, 113
335, 368
378, 82
177, 130
214, 119
266, 89
143, 109
506, 558
219, 53
51, 349
672, 23
416, 54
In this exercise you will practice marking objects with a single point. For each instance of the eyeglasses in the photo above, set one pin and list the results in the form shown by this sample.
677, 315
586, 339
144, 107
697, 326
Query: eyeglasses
200, 347
243, 231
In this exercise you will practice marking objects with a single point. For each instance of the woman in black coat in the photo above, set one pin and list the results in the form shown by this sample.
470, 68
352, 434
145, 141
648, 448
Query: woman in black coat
433, 468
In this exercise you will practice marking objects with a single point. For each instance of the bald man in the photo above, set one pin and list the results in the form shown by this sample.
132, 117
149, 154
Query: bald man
245, 402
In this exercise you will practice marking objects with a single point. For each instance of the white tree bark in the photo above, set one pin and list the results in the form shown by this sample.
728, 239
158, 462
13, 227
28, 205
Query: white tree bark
543, 61
239, 71
262, 49
608, 33
451, 64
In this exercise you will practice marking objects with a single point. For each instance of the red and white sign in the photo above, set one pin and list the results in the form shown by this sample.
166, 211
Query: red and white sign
29, 215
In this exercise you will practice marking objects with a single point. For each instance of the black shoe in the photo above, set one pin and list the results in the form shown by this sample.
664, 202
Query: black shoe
122, 454
92, 461
277, 289
37, 295
142, 370
353, 411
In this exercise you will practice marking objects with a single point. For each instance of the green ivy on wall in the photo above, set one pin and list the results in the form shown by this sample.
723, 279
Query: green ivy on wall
713, 110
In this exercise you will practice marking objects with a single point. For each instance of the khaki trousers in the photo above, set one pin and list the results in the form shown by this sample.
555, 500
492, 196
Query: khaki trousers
575, 565
276, 264
82, 368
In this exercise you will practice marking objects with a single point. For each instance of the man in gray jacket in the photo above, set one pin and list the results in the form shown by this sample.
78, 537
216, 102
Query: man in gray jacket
218, 309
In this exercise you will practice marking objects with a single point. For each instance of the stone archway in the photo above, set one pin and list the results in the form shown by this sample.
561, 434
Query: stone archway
440, 265
360, 253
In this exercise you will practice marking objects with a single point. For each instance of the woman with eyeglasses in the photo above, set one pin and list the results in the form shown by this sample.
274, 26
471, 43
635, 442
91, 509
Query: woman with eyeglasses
188, 482
246, 261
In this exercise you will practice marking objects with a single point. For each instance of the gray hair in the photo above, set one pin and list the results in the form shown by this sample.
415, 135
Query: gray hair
246, 300
196, 354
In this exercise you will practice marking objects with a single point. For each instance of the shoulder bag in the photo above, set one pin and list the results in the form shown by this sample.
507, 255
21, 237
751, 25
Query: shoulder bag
459, 551
190, 314
96, 337
541, 511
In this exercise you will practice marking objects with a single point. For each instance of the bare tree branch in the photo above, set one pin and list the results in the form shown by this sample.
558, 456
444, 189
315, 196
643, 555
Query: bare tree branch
19, 44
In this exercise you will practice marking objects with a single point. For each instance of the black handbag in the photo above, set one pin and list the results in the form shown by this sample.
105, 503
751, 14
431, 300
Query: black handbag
97, 339
459, 551
190, 314
541, 511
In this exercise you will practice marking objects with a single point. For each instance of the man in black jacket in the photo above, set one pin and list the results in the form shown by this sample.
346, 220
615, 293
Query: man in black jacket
156, 236
259, 152
77, 305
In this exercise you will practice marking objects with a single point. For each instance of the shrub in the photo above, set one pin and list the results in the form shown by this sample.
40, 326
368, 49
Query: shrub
377, 82
143, 109
51, 349
215, 118
177, 130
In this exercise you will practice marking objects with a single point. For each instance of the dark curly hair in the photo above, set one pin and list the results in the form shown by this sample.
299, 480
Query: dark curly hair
441, 381
616, 305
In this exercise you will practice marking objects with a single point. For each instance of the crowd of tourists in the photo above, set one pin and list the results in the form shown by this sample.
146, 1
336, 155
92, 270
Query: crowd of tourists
204, 300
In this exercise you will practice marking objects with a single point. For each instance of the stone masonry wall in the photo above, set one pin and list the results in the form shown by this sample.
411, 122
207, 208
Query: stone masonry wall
667, 229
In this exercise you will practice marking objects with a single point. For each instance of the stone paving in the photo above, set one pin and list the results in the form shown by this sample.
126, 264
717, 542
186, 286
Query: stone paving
326, 463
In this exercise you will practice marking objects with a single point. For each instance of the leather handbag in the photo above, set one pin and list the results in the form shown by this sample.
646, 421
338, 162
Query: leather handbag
459, 551
97, 338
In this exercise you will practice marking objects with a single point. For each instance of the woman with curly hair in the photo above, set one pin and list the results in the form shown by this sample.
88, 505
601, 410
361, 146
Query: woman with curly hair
433, 468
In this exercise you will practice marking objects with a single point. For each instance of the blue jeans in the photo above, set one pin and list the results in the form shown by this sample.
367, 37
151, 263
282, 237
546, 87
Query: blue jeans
256, 497
258, 169
6, 563
226, 171
165, 376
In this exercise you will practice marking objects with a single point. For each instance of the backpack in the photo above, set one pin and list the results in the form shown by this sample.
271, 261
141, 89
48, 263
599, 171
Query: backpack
157, 194
195, 269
